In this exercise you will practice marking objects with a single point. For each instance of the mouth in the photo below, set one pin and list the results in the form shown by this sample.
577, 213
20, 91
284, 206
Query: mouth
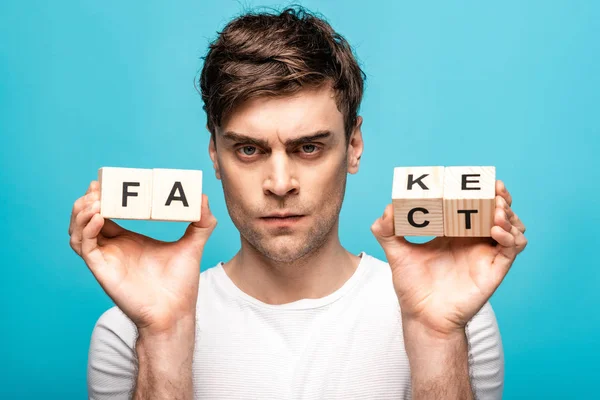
282, 219
282, 216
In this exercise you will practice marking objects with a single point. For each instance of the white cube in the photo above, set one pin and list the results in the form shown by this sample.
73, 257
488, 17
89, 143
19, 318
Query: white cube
125, 193
176, 194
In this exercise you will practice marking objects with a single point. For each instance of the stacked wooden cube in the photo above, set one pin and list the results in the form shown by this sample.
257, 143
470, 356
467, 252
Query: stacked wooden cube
154, 194
444, 201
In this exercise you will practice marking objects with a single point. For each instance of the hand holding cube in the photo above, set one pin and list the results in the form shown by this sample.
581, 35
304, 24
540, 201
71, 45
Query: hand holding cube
155, 283
443, 283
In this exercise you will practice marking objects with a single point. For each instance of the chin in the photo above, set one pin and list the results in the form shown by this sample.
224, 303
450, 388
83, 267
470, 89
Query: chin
286, 246
284, 250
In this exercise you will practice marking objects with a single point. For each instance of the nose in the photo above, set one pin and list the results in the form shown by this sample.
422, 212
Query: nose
280, 180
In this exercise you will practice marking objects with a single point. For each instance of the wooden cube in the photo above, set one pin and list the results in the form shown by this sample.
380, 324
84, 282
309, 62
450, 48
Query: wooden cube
469, 201
176, 194
125, 193
417, 198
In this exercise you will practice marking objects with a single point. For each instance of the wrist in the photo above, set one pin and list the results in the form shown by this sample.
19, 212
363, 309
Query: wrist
430, 332
424, 342
165, 361
431, 336
438, 361
165, 332
167, 348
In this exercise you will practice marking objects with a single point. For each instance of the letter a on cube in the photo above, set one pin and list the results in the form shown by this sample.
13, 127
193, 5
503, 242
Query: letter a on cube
417, 199
469, 201
177, 194
125, 193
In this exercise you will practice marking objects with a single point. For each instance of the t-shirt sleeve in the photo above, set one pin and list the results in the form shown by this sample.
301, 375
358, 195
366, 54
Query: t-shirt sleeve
486, 355
112, 362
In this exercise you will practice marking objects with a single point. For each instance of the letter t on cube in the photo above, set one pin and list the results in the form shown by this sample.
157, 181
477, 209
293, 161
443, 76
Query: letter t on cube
469, 201
417, 198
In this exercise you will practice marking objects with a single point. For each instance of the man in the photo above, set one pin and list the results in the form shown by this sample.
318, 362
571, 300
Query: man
292, 314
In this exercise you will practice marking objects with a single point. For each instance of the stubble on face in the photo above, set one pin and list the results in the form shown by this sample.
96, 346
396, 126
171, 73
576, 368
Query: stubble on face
319, 182
287, 245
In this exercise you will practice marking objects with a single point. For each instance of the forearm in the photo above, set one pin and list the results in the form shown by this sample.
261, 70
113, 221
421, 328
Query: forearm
439, 364
165, 364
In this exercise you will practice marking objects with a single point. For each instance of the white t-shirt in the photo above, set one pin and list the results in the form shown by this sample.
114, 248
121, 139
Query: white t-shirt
347, 345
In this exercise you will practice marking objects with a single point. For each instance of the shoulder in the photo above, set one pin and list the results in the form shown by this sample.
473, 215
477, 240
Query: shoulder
111, 358
374, 261
375, 267
114, 323
486, 355
374, 287
211, 273
377, 276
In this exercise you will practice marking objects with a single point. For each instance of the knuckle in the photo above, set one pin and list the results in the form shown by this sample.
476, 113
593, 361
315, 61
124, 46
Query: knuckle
82, 217
503, 201
77, 204
79, 217
81, 203
88, 207
90, 187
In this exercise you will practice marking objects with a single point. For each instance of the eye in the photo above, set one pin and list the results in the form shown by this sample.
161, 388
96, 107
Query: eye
309, 148
248, 150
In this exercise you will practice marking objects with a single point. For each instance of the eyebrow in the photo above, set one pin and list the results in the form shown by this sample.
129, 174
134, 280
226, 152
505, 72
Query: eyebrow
238, 137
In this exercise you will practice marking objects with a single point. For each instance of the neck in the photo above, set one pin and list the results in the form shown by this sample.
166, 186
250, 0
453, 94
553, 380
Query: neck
312, 276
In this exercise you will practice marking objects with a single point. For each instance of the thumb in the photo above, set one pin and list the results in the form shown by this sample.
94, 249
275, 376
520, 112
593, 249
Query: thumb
396, 248
197, 233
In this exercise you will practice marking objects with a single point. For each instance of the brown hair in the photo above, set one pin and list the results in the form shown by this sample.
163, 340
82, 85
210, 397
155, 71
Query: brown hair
264, 54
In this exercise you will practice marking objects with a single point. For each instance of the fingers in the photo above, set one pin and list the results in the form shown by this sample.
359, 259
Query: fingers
503, 191
501, 219
508, 229
197, 233
504, 201
89, 243
396, 248
503, 237
502, 204
81, 220
207, 219
111, 229
520, 242
510, 244
92, 193
384, 226
88, 227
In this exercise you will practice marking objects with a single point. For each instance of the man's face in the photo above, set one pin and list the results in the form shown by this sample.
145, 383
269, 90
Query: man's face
283, 163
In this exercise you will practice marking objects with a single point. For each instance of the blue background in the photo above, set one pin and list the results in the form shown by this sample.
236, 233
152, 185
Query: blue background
85, 84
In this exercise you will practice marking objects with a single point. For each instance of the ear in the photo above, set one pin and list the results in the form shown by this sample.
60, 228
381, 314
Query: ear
212, 151
355, 147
